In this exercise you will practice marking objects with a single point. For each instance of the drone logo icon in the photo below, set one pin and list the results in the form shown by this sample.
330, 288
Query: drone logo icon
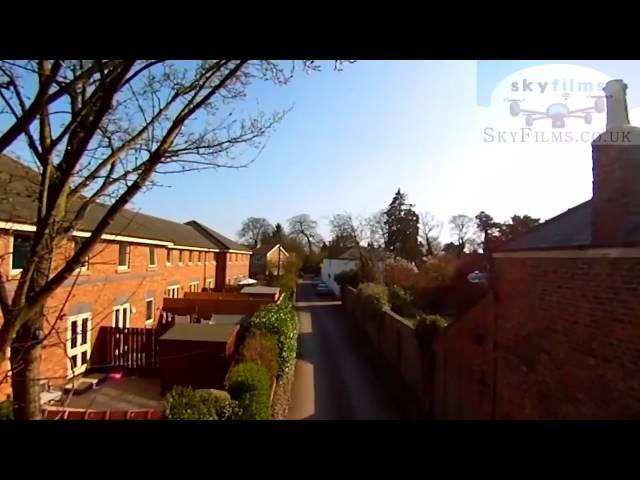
557, 112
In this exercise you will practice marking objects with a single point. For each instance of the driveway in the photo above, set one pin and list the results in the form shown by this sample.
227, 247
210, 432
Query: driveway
338, 377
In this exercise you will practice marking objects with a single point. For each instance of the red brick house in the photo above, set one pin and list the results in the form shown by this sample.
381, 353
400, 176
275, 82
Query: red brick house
560, 336
140, 260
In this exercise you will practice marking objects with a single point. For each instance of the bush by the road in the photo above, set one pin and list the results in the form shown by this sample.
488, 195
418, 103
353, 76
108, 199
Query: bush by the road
373, 296
250, 386
6, 410
348, 278
183, 403
280, 320
261, 348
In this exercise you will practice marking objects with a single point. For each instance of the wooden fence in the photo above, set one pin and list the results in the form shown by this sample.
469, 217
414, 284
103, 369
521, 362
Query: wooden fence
130, 349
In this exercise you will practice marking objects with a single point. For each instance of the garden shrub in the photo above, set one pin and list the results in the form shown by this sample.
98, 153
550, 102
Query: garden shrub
280, 320
348, 278
427, 328
183, 403
401, 301
401, 273
250, 386
373, 296
261, 348
6, 410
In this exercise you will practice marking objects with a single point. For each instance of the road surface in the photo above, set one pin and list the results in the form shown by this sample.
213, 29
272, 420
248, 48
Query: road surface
337, 376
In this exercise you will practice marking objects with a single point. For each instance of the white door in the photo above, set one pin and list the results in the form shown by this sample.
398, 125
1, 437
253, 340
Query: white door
78, 343
121, 319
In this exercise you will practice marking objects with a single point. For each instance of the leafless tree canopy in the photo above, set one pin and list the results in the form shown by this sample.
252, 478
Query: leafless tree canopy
253, 229
305, 229
350, 229
430, 230
463, 231
377, 229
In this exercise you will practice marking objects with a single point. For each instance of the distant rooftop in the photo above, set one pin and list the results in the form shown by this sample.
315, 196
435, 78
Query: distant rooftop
200, 332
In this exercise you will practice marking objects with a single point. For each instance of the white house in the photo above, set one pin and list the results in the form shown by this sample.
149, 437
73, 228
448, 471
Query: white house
350, 260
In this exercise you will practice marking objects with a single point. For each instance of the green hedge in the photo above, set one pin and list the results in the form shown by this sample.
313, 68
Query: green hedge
250, 386
373, 296
183, 403
280, 320
6, 410
260, 347
401, 301
427, 328
348, 278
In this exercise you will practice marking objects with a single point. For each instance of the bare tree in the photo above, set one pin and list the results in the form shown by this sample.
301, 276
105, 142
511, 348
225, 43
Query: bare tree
463, 230
253, 230
100, 131
348, 229
305, 229
377, 229
430, 230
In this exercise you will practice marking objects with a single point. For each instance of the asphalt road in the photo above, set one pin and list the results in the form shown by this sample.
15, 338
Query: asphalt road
337, 377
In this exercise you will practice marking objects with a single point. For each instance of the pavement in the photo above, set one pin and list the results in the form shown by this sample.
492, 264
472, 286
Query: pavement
338, 376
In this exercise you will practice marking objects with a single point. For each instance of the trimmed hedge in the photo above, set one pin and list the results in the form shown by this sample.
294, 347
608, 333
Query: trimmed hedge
427, 328
373, 296
6, 410
280, 320
250, 386
260, 347
183, 403
402, 302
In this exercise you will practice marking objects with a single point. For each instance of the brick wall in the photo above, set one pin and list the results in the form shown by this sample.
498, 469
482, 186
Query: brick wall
237, 267
103, 286
568, 337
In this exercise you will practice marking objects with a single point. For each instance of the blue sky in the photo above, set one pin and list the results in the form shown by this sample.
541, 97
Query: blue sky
354, 137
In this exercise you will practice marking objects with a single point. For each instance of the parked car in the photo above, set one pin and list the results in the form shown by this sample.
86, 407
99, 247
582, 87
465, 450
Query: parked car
323, 289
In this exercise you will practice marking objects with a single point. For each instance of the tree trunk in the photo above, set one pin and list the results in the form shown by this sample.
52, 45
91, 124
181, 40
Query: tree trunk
25, 366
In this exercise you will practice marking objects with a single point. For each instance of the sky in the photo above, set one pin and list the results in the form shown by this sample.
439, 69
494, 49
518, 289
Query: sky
429, 128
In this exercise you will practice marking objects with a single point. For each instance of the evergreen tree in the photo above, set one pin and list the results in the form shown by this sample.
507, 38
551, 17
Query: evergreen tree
402, 226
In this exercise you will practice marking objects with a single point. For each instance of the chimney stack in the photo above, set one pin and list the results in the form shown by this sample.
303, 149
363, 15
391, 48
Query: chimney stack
616, 172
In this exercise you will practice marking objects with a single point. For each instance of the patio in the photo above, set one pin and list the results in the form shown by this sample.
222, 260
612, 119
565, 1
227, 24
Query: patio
125, 393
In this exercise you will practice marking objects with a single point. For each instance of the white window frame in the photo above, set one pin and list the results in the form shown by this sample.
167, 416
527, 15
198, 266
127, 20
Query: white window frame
149, 321
180, 257
85, 267
121, 308
197, 284
155, 256
14, 271
190, 258
173, 289
169, 255
124, 268
199, 258
79, 348
209, 283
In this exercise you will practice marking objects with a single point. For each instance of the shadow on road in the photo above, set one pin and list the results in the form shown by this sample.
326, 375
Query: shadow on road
338, 376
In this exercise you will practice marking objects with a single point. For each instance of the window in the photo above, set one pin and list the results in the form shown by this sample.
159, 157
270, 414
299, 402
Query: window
209, 283
169, 252
78, 343
194, 286
123, 256
199, 257
180, 257
152, 257
173, 291
21, 249
149, 310
190, 257
77, 243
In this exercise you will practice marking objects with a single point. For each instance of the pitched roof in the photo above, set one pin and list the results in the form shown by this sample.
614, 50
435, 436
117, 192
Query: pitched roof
265, 248
220, 240
570, 229
19, 198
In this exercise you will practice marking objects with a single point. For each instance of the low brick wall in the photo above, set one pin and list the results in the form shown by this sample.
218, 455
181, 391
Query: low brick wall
394, 337
78, 414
